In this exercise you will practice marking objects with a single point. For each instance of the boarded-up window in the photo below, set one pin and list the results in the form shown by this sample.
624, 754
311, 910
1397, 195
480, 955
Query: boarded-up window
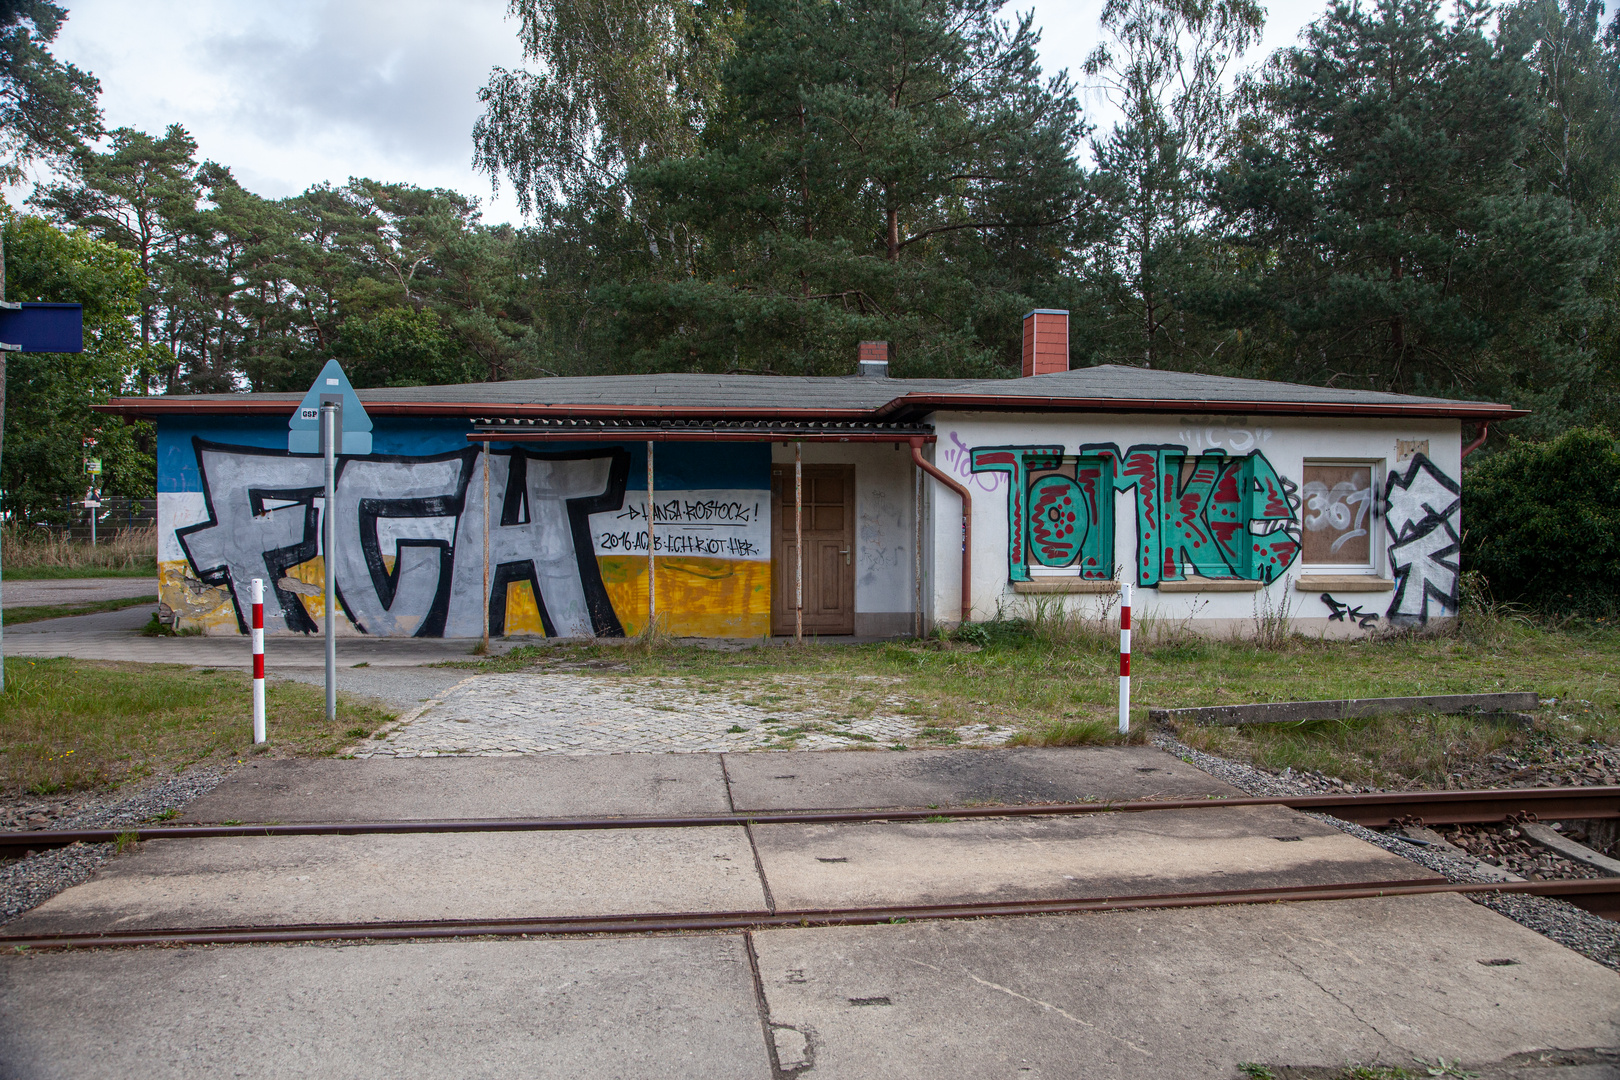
1337, 515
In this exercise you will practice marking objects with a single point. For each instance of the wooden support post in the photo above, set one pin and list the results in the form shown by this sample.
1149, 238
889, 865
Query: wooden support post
798, 545
486, 545
652, 549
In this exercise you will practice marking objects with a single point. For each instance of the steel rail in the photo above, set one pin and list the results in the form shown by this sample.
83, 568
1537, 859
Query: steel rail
1367, 808
1599, 895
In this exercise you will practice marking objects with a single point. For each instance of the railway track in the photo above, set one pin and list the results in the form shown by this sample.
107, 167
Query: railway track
1600, 896
1372, 809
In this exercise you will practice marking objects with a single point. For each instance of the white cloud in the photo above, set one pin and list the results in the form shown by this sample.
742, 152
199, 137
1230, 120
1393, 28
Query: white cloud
296, 92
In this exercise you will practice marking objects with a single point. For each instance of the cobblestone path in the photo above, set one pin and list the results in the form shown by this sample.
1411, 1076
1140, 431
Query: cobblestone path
568, 713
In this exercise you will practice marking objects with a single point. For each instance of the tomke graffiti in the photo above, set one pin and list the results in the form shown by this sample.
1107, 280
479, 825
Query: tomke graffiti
1209, 514
1420, 509
401, 523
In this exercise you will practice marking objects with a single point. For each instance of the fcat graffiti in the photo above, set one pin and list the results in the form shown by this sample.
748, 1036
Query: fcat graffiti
402, 522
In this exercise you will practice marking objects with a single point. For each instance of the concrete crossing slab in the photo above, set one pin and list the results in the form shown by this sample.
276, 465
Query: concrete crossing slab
1095, 855
511, 1010
415, 789
1162, 995
271, 881
1016, 776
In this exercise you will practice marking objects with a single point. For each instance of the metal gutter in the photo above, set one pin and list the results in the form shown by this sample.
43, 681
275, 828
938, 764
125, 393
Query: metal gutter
967, 523
685, 436
930, 402
918, 402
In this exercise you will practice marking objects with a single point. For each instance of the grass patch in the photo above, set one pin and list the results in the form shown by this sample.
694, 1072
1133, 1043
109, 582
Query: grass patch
1078, 733
71, 724
1055, 684
35, 572
37, 556
17, 615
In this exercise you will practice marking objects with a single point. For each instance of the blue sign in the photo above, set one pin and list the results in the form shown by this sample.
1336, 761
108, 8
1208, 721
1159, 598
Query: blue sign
354, 426
57, 328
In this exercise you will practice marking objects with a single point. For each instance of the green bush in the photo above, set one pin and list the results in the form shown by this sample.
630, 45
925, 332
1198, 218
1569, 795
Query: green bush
1542, 523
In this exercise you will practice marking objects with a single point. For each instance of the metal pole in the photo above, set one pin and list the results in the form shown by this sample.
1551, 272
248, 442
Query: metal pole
1124, 657
798, 546
652, 547
917, 543
328, 546
7, 504
259, 734
486, 546
92, 510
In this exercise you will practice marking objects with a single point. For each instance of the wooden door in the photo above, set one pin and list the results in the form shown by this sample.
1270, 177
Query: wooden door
829, 549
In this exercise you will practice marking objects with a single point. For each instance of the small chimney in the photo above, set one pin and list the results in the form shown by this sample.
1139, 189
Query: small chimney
1046, 341
874, 360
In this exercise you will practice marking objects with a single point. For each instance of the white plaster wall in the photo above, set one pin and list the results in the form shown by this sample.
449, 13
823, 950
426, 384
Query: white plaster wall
1285, 441
885, 537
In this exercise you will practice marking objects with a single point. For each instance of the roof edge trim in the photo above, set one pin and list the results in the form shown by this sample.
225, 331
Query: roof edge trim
136, 407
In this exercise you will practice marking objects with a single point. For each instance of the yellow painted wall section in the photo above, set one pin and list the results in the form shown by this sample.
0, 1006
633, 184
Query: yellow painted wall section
522, 613
195, 605
697, 597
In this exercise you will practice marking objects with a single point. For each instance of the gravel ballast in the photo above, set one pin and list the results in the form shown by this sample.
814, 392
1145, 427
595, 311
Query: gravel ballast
1590, 935
31, 881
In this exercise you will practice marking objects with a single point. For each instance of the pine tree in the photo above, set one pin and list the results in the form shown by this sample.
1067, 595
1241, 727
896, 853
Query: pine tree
896, 170
1379, 190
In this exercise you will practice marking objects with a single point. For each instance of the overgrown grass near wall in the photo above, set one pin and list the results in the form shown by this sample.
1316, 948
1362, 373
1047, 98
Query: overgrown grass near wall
1056, 682
35, 555
67, 724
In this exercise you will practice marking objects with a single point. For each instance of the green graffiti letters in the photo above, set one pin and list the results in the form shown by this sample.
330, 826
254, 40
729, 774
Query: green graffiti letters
1207, 515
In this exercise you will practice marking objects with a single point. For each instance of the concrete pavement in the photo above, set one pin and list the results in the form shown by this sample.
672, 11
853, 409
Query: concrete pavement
607, 1009
75, 590
1149, 994
115, 635
1154, 995
1159, 995
584, 786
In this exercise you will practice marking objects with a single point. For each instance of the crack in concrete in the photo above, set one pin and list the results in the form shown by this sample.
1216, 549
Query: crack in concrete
1048, 1006
1299, 968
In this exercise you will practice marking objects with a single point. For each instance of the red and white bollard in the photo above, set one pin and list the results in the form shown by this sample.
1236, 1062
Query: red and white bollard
1124, 658
258, 660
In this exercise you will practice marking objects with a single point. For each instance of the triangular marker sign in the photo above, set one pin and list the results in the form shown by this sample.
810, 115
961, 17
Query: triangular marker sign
304, 429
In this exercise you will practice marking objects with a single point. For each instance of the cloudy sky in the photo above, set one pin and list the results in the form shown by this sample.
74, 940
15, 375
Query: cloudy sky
298, 91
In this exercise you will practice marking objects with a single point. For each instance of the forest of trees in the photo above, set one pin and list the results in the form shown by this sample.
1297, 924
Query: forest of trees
1412, 198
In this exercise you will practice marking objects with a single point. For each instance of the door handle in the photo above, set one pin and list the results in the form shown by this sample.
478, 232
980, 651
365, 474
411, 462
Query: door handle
845, 553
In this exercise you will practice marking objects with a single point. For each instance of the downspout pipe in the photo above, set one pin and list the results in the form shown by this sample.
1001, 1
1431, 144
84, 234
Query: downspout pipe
1484, 433
967, 523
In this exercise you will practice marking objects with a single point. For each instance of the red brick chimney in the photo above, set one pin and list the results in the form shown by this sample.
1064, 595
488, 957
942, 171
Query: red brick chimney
1046, 341
874, 362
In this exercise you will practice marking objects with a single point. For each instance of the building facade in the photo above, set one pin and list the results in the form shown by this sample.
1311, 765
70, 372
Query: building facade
753, 506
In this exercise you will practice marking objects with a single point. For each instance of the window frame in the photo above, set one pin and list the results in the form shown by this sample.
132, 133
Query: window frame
1374, 565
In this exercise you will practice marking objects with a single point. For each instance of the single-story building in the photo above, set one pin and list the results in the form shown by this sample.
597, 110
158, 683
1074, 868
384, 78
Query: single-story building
524, 506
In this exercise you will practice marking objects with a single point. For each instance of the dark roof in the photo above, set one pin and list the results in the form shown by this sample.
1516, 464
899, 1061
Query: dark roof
1107, 388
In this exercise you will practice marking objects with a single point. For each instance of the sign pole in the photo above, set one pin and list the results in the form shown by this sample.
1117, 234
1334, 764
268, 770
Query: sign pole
328, 547
34, 328
257, 595
1125, 658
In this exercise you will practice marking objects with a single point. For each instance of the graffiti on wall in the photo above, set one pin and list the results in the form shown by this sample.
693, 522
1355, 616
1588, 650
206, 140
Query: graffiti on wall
564, 542
1208, 515
1420, 515
1339, 611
